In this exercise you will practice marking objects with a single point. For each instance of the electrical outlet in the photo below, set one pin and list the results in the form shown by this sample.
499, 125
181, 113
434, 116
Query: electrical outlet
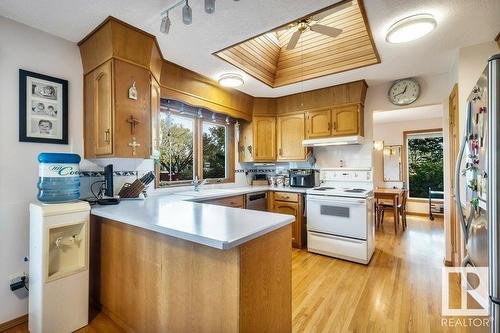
18, 281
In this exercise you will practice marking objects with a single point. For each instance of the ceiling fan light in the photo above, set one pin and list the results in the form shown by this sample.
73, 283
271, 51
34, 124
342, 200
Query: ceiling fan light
231, 80
209, 6
187, 14
411, 28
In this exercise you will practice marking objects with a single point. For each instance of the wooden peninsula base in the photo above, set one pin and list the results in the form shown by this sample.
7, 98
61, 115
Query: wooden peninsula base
149, 282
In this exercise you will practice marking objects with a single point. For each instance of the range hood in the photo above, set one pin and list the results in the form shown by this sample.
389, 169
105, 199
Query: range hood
334, 141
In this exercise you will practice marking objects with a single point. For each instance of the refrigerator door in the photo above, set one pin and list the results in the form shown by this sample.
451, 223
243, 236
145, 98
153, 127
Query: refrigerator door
471, 168
493, 184
495, 318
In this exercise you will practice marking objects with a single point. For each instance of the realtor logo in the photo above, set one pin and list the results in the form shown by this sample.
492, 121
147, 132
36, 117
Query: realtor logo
472, 283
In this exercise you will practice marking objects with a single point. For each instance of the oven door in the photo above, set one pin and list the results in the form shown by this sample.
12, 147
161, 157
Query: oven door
337, 216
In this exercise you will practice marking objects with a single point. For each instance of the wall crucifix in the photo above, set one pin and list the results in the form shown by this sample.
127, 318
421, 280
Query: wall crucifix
133, 123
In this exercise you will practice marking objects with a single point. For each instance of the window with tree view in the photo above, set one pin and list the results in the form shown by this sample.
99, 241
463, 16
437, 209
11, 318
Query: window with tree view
177, 148
194, 143
424, 163
214, 151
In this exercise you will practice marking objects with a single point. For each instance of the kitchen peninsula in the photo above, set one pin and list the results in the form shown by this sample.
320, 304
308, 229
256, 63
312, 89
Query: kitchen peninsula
170, 265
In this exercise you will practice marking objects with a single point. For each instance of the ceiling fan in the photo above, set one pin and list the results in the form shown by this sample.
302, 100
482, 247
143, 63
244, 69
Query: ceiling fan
312, 23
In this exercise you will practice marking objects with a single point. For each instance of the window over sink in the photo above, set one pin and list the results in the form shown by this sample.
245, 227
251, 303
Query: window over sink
194, 142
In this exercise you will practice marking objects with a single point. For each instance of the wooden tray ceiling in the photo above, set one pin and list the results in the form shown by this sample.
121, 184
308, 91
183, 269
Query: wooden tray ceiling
266, 58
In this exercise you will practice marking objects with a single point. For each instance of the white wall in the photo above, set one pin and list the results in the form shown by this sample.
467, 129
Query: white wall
435, 89
392, 134
30, 49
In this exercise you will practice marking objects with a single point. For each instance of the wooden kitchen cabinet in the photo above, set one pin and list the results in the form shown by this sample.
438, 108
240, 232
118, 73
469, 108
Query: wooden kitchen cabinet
347, 120
99, 111
290, 131
116, 125
257, 140
264, 138
291, 204
245, 143
319, 123
155, 118
237, 201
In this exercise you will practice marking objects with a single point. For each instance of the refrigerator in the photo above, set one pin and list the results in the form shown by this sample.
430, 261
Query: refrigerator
477, 186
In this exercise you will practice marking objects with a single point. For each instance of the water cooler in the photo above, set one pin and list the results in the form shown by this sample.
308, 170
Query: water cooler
59, 267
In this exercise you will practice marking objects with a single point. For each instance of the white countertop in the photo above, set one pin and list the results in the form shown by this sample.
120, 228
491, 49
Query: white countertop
176, 215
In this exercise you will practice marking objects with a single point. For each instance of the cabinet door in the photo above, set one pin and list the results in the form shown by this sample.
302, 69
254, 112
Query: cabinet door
346, 120
264, 138
245, 143
290, 208
289, 136
102, 92
155, 118
132, 116
319, 123
235, 202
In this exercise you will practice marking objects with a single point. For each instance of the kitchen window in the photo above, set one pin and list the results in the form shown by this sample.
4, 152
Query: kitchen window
424, 162
194, 142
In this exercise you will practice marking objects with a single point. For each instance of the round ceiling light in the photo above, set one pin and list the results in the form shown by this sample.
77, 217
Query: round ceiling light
411, 28
231, 80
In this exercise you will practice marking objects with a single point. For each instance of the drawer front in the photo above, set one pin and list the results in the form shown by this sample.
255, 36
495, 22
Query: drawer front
236, 202
286, 196
338, 247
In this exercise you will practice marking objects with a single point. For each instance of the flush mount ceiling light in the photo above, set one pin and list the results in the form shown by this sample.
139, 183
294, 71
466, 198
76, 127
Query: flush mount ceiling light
231, 80
411, 28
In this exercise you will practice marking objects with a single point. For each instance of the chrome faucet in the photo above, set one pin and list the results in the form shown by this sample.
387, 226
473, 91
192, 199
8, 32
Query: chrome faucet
197, 183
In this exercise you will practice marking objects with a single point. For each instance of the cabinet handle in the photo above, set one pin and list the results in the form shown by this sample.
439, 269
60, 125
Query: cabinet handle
280, 152
106, 135
329, 126
334, 125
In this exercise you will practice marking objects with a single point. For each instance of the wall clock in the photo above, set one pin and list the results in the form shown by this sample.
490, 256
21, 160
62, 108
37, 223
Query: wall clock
404, 92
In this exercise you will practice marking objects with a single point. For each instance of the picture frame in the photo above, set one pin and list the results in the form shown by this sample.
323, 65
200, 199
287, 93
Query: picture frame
43, 108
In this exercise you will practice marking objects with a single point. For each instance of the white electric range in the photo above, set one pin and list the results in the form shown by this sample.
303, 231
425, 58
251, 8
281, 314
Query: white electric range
340, 219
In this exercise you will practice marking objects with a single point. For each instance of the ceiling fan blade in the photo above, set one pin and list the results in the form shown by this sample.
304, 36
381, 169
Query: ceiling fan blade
294, 40
328, 12
325, 30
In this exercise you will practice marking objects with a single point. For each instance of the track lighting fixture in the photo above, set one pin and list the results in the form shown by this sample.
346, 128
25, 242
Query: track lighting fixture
209, 6
187, 13
165, 24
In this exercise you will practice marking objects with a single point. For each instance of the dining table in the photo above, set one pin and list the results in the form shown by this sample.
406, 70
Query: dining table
393, 194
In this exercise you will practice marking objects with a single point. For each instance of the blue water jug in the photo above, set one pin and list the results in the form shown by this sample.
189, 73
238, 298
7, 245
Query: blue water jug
59, 177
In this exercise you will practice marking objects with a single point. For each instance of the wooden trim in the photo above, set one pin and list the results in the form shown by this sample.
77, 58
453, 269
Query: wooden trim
424, 200
453, 147
13, 322
112, 18
198, 101
361, 6
354, 49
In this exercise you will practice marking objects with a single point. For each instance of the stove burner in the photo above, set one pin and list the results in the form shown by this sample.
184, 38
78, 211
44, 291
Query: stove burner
324, 188
355, 190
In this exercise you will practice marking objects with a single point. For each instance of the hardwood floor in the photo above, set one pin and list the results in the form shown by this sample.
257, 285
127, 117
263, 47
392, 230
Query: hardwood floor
400, 291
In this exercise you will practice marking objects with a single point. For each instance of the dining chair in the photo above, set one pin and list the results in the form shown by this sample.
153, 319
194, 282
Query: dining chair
402, 208
382, 207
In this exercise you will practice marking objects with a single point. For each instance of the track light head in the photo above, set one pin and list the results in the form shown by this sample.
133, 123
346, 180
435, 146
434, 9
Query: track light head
187, 13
